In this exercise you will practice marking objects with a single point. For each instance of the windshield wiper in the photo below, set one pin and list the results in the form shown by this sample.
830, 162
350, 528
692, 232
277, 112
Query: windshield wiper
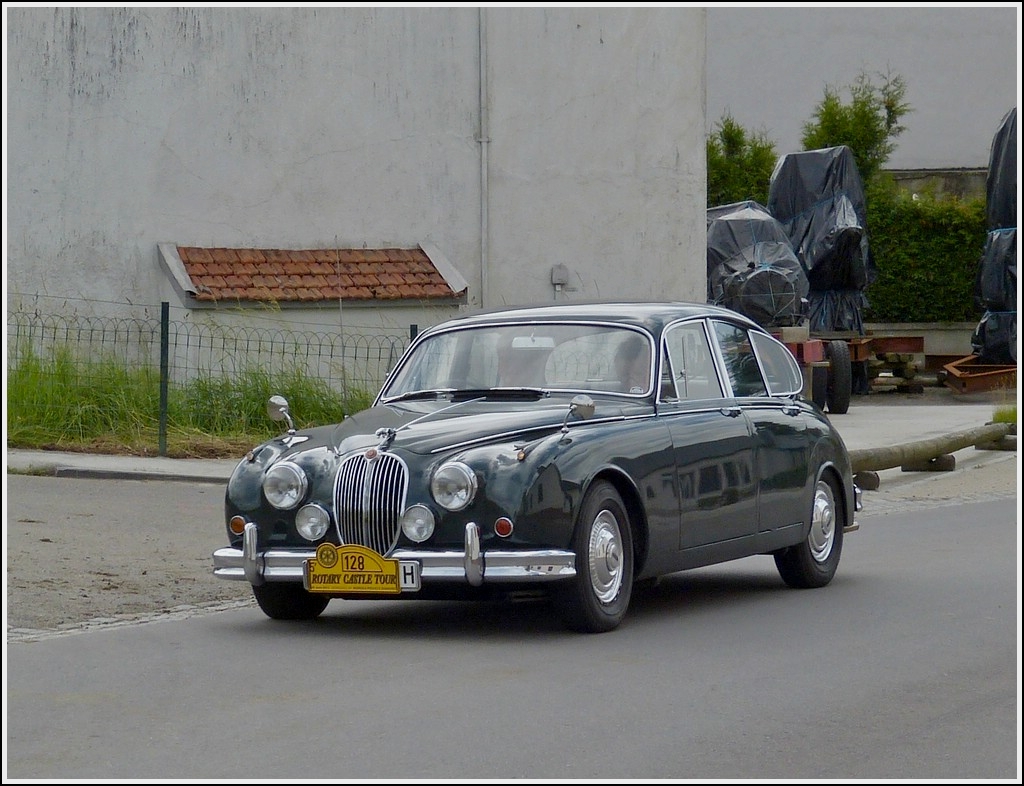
464, 393
413, 395
518, 391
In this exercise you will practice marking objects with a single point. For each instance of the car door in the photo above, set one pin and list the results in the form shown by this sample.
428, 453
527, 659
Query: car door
763, 375
712, 442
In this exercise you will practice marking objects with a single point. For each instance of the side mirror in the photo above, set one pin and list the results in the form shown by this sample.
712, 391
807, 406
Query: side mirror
582, 406
277, 410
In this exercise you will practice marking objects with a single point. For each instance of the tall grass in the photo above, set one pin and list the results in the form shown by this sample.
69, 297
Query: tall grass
1005, 413
60, 401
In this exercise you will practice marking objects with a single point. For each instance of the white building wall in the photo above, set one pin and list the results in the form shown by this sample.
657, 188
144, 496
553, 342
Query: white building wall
768, 67
602, 167
351, 127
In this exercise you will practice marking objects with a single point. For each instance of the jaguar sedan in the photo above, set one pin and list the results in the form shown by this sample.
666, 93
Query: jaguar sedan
569, 450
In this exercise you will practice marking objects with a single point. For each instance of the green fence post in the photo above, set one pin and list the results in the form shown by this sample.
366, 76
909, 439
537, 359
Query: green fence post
164, 343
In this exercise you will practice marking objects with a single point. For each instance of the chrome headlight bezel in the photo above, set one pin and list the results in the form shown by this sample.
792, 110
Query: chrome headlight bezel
285, 485
453, 486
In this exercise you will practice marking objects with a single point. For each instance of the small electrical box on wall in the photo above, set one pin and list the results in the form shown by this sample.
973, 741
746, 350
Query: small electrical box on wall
559, 277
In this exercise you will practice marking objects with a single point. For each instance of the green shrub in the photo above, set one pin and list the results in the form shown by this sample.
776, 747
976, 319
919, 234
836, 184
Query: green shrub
740, 164
868, 124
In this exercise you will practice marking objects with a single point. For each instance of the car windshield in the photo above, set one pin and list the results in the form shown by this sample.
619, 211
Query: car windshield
577, 357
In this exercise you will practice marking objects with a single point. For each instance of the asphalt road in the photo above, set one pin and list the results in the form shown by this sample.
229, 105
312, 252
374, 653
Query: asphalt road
907, 666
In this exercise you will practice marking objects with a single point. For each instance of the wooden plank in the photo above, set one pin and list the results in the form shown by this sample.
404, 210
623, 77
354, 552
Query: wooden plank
913, 345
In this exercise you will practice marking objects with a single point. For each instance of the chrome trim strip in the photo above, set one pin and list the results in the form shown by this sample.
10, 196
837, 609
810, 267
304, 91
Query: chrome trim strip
526, 433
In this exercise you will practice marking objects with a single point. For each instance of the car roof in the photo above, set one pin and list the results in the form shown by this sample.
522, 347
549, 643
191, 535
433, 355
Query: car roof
652, 316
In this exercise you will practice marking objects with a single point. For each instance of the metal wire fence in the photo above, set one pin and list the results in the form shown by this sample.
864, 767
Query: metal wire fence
184, 351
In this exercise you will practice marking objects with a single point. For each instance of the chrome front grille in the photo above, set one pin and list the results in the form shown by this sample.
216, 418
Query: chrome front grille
369, 496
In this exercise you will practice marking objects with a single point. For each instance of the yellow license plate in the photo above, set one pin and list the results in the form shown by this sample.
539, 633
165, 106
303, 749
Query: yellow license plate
352, 569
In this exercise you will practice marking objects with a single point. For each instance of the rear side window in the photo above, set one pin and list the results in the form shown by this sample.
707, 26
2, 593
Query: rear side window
740, 360
781, 371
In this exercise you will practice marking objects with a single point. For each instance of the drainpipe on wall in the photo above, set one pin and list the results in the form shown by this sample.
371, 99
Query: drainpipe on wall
483, 140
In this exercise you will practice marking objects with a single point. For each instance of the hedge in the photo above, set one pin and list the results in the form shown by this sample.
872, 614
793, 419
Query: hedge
926, 252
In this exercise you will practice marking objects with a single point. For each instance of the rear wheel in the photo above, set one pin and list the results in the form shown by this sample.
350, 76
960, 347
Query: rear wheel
289, 602
597, 598
813, 563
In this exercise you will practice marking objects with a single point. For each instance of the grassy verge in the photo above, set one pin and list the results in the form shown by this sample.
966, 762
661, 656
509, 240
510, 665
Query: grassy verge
59, 402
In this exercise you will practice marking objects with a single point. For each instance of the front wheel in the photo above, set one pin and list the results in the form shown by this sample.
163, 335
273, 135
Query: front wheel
813, 563
289, 602
596, 599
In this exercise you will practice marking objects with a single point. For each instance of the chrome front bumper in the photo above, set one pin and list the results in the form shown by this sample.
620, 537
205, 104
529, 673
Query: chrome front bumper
470, 565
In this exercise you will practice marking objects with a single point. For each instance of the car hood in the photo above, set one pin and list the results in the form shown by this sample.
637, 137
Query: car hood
429, 426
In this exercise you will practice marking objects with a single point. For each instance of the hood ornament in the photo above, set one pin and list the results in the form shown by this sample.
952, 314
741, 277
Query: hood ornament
386, 436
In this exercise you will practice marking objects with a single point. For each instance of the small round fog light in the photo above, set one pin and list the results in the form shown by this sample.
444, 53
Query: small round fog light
312, 521
236, 525
418, 523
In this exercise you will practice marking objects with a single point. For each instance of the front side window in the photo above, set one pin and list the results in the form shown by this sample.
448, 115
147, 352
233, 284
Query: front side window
689, 370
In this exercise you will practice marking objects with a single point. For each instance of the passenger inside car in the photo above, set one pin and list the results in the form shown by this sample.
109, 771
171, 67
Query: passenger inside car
632, 365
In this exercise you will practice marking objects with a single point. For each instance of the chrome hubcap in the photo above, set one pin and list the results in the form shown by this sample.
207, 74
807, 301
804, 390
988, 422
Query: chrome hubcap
823, 522
605, 557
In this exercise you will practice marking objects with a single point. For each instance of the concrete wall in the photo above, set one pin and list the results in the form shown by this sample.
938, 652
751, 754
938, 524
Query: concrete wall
602, 167
769, 67
322, 127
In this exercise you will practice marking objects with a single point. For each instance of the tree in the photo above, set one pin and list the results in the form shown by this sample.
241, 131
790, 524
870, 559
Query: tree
868, 124
739, 163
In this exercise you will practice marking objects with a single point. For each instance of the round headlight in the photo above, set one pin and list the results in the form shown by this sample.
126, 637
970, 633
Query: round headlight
312, 522
284, 485
453, 485
418, 523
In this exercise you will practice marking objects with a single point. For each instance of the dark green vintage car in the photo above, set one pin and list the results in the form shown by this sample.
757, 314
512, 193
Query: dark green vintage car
570, 449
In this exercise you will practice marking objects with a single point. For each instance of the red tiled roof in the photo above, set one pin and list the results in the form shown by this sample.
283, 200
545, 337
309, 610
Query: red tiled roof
313, 275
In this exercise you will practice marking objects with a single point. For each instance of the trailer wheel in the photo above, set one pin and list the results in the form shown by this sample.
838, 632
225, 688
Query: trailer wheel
819, 384
840, 377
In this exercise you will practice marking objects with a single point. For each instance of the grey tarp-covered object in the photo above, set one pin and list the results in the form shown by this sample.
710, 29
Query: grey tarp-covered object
818, 197
751, 266
1001, 183
995, 338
